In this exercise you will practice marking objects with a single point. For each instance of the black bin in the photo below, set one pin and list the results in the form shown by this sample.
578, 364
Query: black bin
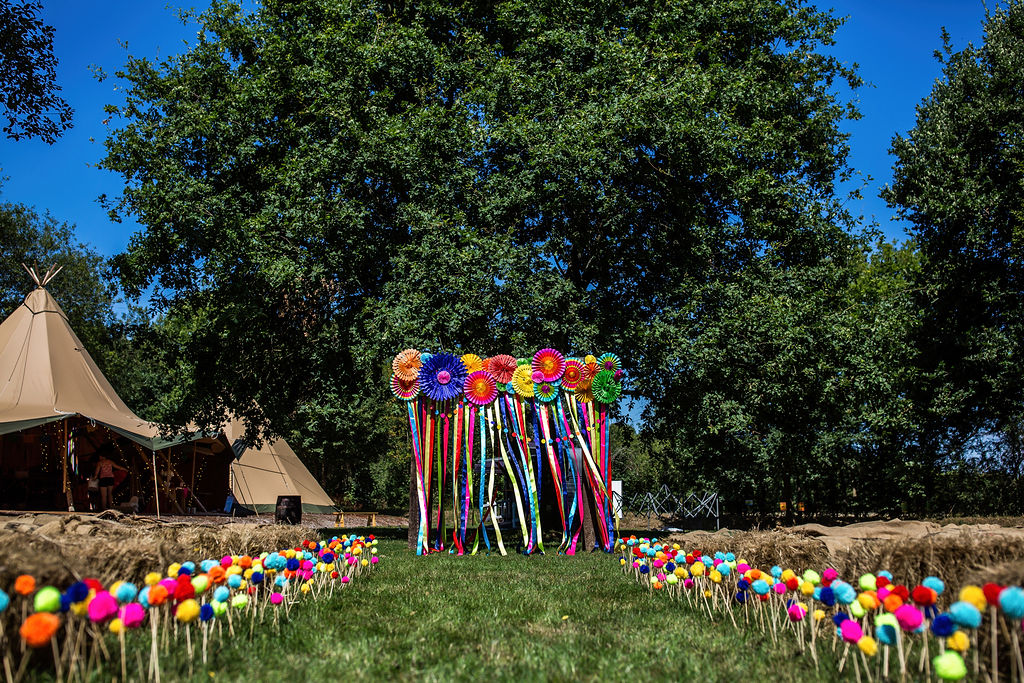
288, 510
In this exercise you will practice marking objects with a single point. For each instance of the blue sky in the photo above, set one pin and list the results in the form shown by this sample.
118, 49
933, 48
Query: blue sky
892, 41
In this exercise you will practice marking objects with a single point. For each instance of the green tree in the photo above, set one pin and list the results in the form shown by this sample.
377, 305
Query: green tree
958, 181
324, 183
28, 75
84, 287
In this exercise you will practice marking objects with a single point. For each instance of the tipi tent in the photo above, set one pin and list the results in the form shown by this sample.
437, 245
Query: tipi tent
260, 475
56, 407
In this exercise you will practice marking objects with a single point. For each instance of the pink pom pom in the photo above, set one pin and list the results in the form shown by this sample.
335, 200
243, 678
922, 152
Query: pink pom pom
796, 612
830, 574
345, 579
883, 592
102, 607
780, 589
351, 560
743, 567
658, 564
226, 561
717, 561
307, 564
661, 576
374, 560
688, 583
908, 617
276, 598
132, 615
851, 631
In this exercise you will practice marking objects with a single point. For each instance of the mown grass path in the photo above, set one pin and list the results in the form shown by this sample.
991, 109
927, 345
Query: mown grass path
441, 618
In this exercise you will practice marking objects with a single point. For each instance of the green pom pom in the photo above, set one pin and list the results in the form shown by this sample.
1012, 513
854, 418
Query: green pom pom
949, 666
867, 582
47, 600
856, 609
219, 608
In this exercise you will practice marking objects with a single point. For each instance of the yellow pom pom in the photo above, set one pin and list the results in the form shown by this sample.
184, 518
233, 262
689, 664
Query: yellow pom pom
958, 641
819, 614
675, 546
152, 578
622, 561
242, 586
787, 574
975, 596
232, 570
868, 646
364, 562
807, 588
188, 611
357, 551
247, 574
305, 588
715, 576
80, 609
697, 569
289, 553
172, 571
115, 626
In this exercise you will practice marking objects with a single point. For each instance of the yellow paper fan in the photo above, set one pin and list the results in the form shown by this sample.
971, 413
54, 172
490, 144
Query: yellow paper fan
584, 395
522, 381
472, 363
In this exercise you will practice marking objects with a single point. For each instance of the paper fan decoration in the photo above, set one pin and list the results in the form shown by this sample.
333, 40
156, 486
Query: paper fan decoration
480, 388
589, 371
573, 374
404, 390
588, 359
584, 395
546, 391
522, 381
442, 376
550, 363
502, 368
406, 365
609, 361
473, 363
605, 387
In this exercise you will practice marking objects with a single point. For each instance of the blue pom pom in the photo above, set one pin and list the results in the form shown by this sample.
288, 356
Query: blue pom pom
885, 634
720, 556
935, 583
828, 596
844, 592
1012, 601
221, 594
78, 591
293, 564
669, 567
207, 565
965, 614
760, 587
126, 592
943, 626
743, 584
706, 560
730, 557
144, 597
65, 602
839, 617
206, 612
5, 600
887, 574
644, 569
741, 597
328, 558
256, 578
235, 580
724, 569
279, 580
776, 571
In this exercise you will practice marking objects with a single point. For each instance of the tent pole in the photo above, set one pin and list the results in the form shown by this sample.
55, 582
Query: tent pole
156, 486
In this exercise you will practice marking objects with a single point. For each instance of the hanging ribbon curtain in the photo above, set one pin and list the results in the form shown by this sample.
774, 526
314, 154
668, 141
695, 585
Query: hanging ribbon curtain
511, 422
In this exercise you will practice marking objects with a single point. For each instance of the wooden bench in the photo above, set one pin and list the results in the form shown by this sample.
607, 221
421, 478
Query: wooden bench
339, 517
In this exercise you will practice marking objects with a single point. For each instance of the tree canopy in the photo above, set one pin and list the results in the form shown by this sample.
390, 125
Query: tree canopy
28, 75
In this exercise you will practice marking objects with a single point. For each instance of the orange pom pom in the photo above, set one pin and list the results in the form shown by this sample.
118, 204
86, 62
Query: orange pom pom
157, 595
25, 585
39, 629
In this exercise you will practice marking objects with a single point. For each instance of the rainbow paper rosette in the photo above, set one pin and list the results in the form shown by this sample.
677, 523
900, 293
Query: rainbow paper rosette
480, 388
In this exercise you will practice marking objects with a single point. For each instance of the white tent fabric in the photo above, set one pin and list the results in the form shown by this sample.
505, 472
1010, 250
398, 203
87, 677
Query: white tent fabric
260, 475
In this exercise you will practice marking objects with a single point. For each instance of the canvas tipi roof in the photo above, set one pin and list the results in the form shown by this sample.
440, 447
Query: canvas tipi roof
47, 375
262, 474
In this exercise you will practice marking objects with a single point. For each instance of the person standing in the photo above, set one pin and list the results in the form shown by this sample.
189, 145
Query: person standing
105, 473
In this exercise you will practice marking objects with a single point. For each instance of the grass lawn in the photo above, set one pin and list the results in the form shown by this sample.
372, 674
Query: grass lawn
477, 618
